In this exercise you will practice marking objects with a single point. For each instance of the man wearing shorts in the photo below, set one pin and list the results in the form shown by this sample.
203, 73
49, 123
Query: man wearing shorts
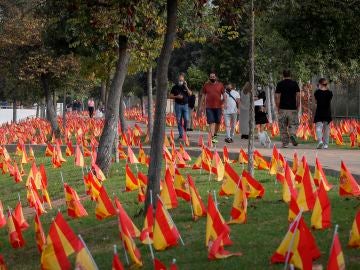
213, 96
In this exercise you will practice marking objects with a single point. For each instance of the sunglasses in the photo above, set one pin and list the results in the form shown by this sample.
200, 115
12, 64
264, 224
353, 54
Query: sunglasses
324, 84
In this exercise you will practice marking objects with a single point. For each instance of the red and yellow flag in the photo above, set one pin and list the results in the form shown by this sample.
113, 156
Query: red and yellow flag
60, 243
79, 158
230, 182
336, 258
252, 187
104, 207
239, 208
39, 234
307, 194
146, 235
126, 220
217, 166
168, 194
354, 241
198, 206
15, 235
243, 157
19, 215
116, 263
165, 232
274, 161
348, 185
321, 215
74, 207
132, 159
131, 182
319, 176
2, 216
259, 161
180, 185
216, 249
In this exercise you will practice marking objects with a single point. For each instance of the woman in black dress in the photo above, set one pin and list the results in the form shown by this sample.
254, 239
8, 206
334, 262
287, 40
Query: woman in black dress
322, 116
261, 119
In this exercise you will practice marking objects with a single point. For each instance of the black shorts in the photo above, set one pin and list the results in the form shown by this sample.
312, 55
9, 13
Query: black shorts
213, 115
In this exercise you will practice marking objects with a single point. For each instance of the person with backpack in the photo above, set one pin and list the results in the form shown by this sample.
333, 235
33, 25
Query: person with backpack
231, 111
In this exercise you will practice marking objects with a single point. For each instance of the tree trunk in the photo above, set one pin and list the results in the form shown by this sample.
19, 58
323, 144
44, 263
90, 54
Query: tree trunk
50, 110
103, 93
150, 101
14, 111
252, 82
37, 110
116, 143
103, 159
122, 115
268, 104
157, 140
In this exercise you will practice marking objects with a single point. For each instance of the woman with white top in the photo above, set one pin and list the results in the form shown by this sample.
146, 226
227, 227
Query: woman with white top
231, 111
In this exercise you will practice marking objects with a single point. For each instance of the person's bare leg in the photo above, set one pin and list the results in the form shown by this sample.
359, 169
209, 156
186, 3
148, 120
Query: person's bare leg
217, 128
212, 129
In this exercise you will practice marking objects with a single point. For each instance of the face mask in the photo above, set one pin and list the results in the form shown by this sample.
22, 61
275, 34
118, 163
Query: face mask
212, 80
228, 89
181, 82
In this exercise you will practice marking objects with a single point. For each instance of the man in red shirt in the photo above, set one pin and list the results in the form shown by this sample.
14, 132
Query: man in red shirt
214, 98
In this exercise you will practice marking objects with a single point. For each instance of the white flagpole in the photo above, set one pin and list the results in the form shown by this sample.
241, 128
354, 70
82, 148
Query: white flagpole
215, 199
191, 207
150, 246
62, 178
172, 221
19, 197
335, 232
87, 250
296, 222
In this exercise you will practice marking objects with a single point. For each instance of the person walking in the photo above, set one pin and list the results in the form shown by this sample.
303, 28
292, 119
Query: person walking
231, 111
322, 115
212, 99
287, 99
261, 118
191, 105
180, 94
244, 110
91, 107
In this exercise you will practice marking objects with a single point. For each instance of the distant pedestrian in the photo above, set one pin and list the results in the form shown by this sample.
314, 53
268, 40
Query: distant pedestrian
261, 118
191, 104
322, 116
91, 107
212, 99
244, 110
180, 94
231, 111
287, 98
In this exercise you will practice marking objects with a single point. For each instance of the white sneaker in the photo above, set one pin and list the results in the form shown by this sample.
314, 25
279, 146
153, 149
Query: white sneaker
262, 138
320, 145
326, 146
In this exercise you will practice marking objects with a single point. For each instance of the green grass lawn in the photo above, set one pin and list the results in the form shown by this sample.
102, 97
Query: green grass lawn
257, 240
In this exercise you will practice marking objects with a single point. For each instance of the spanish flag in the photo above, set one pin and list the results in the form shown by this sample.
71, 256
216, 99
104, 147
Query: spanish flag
198, 206
184, 154
142, 178
2, 216
168, 194
131, 156
116, 263
216, 248
321, 215
146, 235
354, 241
230, 182
180, 185
98, 172
259, 161
280, 174
60, 243
226, 155
39, 234
131, 182
165, 232
243, 157
217, 167
69, 149
2, 263
289, 189
215, 224
252, 187
239, 208
307, 193
49, 150
274, 161
104, 207
15, 235
79, 159
319, 176
126, 220
348, 185
336, 258
293, 209
18, 214
84, 259
295, 164
302, 246
74, 207
142, 157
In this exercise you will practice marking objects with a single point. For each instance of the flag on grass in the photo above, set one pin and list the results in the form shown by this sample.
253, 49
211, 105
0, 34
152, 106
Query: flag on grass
354, 240
319, 176
146, 235
216, 249
252, 187
19, 215
132, 159
239, 207
230, 182
39, 234
131, 182
259, 161
74, 207
243, 157
2, 216
116, 263
180, 185
336, 258
84, 259
198, 206
104, 207
274, 161
79, 158
217, 166
348, 184
168, 194
15, 235
307, 195
321, 215
61, 242
165, 232
126, 220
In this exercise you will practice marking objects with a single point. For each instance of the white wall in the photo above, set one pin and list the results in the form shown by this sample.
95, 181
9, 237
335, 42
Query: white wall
6, 115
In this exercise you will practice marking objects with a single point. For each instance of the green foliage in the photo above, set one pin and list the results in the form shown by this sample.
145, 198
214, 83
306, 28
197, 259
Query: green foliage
196, 78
